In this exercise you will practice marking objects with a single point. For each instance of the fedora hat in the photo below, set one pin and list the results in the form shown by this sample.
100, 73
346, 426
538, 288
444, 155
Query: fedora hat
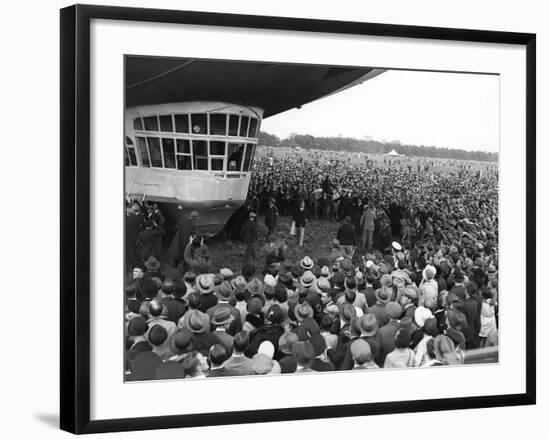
303, 353
225, 290
255, 286
152, 263
302, 311
368, 323
181, 341
306, 263
226, 273
239, 283
205, 283
222, 316
307, 279
197, 321
383, 294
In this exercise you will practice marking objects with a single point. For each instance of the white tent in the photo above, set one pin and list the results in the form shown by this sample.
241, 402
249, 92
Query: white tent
393, 153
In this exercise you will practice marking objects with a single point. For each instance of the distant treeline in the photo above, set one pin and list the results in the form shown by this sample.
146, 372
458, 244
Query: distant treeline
374, 147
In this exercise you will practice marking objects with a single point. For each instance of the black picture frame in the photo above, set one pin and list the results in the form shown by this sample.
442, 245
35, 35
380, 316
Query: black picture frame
75, 217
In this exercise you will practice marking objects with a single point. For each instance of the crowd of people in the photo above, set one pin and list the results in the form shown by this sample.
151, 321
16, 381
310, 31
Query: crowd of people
423, 291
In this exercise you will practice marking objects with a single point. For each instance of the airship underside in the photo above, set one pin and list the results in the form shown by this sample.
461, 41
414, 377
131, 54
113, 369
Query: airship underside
191, 127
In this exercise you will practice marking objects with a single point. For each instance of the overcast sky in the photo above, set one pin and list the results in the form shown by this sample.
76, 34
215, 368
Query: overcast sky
421, 108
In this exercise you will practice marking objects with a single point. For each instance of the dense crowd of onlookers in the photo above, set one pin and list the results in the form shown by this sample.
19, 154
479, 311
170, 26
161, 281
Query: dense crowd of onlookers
422, 292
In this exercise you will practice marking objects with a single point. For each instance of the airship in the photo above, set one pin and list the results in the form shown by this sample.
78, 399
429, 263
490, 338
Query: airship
192, 125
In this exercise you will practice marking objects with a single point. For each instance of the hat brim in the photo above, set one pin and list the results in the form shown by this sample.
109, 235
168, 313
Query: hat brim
223, 322
377, 295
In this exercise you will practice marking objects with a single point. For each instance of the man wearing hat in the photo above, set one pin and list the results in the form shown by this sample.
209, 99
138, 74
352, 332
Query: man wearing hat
221, 319
205, 286
249, 235
346, 236
199, 324
225, 292
408, 301
388, 331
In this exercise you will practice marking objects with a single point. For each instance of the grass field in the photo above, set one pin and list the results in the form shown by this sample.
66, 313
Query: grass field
225, 253
317, 240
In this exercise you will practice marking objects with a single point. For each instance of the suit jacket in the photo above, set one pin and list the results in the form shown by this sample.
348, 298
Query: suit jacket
249, 231
346, 234
242, 365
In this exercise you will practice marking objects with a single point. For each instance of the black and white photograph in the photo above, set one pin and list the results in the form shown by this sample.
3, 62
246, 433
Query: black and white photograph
286, 218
